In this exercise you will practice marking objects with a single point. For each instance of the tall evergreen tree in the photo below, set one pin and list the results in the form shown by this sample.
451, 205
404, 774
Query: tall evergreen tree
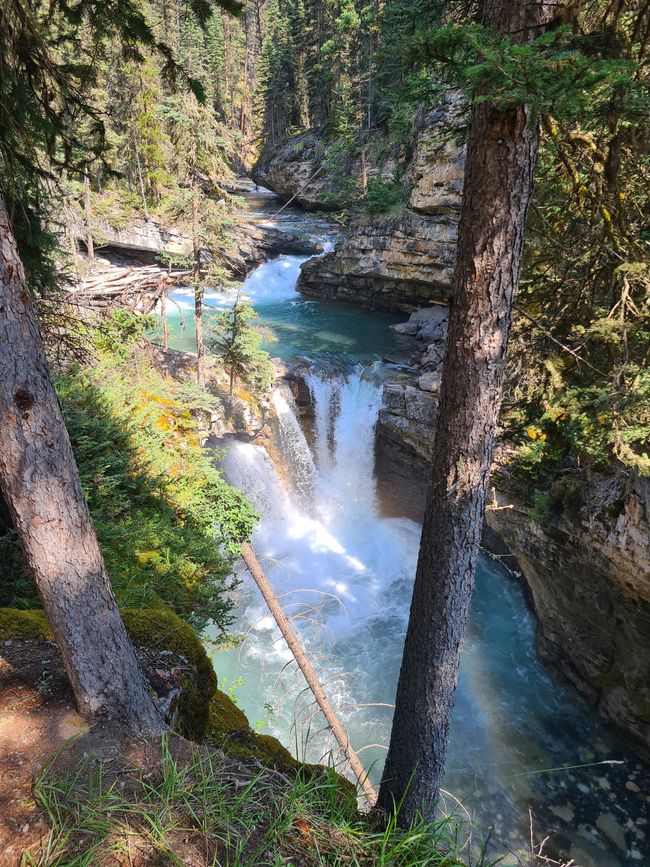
500, 166
41, 105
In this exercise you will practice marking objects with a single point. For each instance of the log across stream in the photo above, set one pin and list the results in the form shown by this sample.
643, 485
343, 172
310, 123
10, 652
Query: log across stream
343, 572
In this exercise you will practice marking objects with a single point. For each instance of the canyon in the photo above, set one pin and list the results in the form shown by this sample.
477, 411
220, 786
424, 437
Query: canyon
587, 565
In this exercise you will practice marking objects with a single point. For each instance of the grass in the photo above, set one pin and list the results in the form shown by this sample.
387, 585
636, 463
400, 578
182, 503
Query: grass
203, 808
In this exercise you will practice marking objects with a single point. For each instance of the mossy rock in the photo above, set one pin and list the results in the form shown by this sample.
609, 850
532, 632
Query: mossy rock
16, 623
205, 712
159, 629
225, 718
229, 730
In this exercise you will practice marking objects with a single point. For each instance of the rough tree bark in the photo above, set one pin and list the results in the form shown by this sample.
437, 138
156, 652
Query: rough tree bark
499, 171
198, 285
41, 486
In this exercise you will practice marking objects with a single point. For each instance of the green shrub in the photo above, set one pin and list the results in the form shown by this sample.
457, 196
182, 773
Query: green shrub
168, 524
384, 197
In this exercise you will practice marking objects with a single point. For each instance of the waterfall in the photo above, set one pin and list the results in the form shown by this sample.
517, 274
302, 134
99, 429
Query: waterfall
299, 460
344, 573
346, 408
338, 566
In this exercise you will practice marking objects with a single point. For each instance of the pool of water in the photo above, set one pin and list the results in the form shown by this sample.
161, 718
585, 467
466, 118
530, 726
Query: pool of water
300, 326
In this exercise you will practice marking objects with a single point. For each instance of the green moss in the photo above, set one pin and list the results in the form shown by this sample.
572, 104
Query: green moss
205, 712
270, 751
165, 630
159, 629
15, 623
225, 718
229, 730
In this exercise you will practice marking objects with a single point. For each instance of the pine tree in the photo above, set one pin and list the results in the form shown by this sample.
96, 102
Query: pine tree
238, 344
499, 174
42, 103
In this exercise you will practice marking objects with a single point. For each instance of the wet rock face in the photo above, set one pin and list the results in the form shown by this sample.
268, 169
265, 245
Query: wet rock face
404, 446
588, 570
406, 425
294, 169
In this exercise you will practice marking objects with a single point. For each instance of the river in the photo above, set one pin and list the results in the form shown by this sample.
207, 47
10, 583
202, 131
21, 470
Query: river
519, 740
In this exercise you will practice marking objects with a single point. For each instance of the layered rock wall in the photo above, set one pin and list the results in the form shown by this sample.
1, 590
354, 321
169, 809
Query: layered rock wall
588, 571
143, 240
398, 262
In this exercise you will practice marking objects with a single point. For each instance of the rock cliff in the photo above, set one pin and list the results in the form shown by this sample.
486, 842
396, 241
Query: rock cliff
297, 168
588, 571
586, 562
143, 240
406, 261
397, 262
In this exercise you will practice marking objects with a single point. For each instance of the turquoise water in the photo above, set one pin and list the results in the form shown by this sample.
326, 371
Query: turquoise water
519, 740
300, 326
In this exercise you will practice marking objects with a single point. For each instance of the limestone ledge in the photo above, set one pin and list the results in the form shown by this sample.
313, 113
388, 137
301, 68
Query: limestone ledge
394, 265
143, 240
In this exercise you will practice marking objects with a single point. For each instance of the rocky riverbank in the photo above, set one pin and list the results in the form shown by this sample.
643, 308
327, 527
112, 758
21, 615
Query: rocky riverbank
141, 242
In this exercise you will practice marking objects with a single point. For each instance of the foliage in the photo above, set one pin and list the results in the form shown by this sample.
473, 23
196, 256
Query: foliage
558, 72
237, 343
237, 812
384, 197
120, 332
168, 524
64, 67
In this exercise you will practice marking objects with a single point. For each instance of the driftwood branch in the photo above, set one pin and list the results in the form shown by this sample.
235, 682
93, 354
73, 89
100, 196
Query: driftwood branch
333, 722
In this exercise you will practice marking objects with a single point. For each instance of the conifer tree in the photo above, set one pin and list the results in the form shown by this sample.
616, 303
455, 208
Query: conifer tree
238, 343
41, 105
500, 166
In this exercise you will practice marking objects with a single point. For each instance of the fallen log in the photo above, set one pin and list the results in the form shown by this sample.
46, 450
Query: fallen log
335, 725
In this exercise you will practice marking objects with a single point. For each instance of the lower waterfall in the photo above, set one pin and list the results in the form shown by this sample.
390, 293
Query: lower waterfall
344, 573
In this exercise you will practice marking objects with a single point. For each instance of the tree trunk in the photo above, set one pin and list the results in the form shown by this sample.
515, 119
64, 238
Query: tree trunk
88, 214
198, 324
198, 286
163, 316
138, 164
498, 182
41, 486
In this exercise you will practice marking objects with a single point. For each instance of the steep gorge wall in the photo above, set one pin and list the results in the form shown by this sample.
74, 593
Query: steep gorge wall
586, 563
588, 571
399, 262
